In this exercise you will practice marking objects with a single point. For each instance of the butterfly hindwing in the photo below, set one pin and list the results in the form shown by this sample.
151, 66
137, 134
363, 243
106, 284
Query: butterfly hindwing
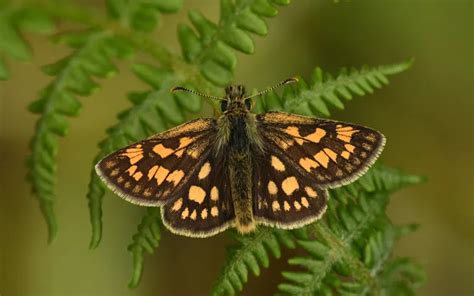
204, 206
150, 171
331, 153
283, 196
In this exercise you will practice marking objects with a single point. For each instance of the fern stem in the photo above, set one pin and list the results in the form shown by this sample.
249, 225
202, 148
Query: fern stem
343, 250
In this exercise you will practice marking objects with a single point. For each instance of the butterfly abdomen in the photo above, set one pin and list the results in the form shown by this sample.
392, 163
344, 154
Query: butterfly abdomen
240, 173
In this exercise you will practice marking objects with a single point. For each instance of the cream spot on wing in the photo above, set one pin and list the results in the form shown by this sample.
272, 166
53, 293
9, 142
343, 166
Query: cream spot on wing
185, 213
286, 206
304, 202
332, 155
204, 214
275, 206
196, 194
349, 147
193, 215
316, 136
308, 164
214, 211
120, 179
366, 146
131, 170
152, 172
114, 172
147, 192
297, 205
345, 154
110, 164
277, 164
272, 188
161, 175
322, 158
289, 185
127, 185
204, 171
175, 177
214, 193
162, 151
371, 138
177, 205
310, 191
136, 189
137, 176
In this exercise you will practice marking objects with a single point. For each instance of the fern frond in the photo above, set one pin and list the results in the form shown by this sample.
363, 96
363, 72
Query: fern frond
211, 50
354, 217
142, 15
250, 254
74, 75
146, 239
152, 112
314, 98
14, 20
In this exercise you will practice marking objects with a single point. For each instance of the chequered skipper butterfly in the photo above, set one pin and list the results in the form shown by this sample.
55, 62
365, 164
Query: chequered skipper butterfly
241, 169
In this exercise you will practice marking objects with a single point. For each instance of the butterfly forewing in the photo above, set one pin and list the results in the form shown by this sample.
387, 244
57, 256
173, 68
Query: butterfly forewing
149, 172
331, 153
203, 207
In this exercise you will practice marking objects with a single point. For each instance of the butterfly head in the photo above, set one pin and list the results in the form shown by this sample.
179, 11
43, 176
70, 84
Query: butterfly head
235, 100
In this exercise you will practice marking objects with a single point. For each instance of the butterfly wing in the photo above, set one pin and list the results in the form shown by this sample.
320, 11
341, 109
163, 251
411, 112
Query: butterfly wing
150, 171
303, 157
333, 153
204, 206
285, 197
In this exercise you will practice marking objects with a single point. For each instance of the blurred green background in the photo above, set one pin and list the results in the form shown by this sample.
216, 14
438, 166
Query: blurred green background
426, 114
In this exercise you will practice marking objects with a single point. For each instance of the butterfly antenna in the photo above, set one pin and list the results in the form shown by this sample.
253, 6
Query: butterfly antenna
286, 81
180, 88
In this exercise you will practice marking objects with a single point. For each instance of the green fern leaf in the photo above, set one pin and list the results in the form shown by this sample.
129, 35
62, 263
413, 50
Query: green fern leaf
354, 219
250, 254
14, 20
74, 77
324, 91
152, 112
146, 239
211, 50
142, 15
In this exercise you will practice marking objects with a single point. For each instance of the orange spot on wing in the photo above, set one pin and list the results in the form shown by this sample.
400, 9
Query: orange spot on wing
152, 172
162, 151
131, 170
161, 175
322, 158
290, 185
308, 164
196, 194
316, 136
137, 176
175, 177
349, 147
331, 154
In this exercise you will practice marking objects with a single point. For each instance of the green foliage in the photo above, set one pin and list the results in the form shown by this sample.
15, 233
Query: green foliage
146, 239
211, 50
313, 98
249, 254
14, 20
353, 243
349, 252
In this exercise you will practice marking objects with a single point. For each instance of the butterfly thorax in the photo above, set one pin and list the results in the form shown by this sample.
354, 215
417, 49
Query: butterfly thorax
239, 140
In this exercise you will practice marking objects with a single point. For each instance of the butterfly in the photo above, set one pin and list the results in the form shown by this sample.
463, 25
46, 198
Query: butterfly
241, 169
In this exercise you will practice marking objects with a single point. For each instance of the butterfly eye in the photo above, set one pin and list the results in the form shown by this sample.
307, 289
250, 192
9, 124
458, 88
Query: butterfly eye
223, 105
248, 104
